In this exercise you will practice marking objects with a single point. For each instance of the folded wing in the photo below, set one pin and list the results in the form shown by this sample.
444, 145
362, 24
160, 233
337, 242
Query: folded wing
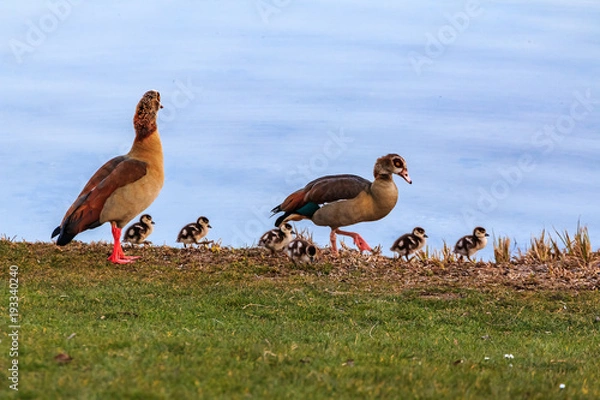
323, 190
85, 211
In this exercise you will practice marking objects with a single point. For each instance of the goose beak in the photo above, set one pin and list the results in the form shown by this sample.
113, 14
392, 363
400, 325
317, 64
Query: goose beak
404, 175
153, 223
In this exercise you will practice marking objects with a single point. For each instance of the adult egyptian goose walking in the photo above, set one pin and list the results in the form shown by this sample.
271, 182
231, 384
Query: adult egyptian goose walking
342, 200
124, 186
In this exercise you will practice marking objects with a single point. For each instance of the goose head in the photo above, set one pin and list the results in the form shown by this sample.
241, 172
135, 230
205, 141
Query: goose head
391, 164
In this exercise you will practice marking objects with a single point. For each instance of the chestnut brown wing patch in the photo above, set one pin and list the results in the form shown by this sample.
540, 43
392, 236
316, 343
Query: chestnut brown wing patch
293, 202
85, 211
102, 173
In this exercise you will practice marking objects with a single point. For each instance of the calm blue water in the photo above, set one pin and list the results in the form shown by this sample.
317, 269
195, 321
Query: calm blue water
495, 106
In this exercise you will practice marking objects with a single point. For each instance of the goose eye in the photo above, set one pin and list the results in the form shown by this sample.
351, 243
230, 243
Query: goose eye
398, 163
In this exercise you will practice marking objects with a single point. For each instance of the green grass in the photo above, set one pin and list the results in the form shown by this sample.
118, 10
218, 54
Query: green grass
234, 324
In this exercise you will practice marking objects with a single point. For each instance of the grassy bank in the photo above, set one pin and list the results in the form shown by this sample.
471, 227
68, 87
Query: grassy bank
227, 323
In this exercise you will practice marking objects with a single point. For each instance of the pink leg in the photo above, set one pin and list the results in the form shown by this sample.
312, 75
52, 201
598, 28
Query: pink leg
117, 256
333, 240
358, 240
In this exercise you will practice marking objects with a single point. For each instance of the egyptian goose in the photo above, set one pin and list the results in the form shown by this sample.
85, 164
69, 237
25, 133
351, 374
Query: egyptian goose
276, 239
471, 244
342, 200
138, 232
193, 232
124, 186
301, 251
410, 243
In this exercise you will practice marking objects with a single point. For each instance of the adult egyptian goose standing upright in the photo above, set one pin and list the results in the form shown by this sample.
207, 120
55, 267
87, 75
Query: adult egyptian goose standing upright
124, 186
342, 200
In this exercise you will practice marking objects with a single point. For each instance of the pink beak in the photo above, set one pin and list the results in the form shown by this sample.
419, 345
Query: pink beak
404, 175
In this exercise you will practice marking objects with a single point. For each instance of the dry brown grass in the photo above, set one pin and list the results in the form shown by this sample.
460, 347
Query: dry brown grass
568, 251
544, 266
440, 258
502, 250
579, 248
542, 249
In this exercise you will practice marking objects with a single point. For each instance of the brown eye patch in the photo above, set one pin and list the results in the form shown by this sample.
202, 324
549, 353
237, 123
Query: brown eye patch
398, 163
